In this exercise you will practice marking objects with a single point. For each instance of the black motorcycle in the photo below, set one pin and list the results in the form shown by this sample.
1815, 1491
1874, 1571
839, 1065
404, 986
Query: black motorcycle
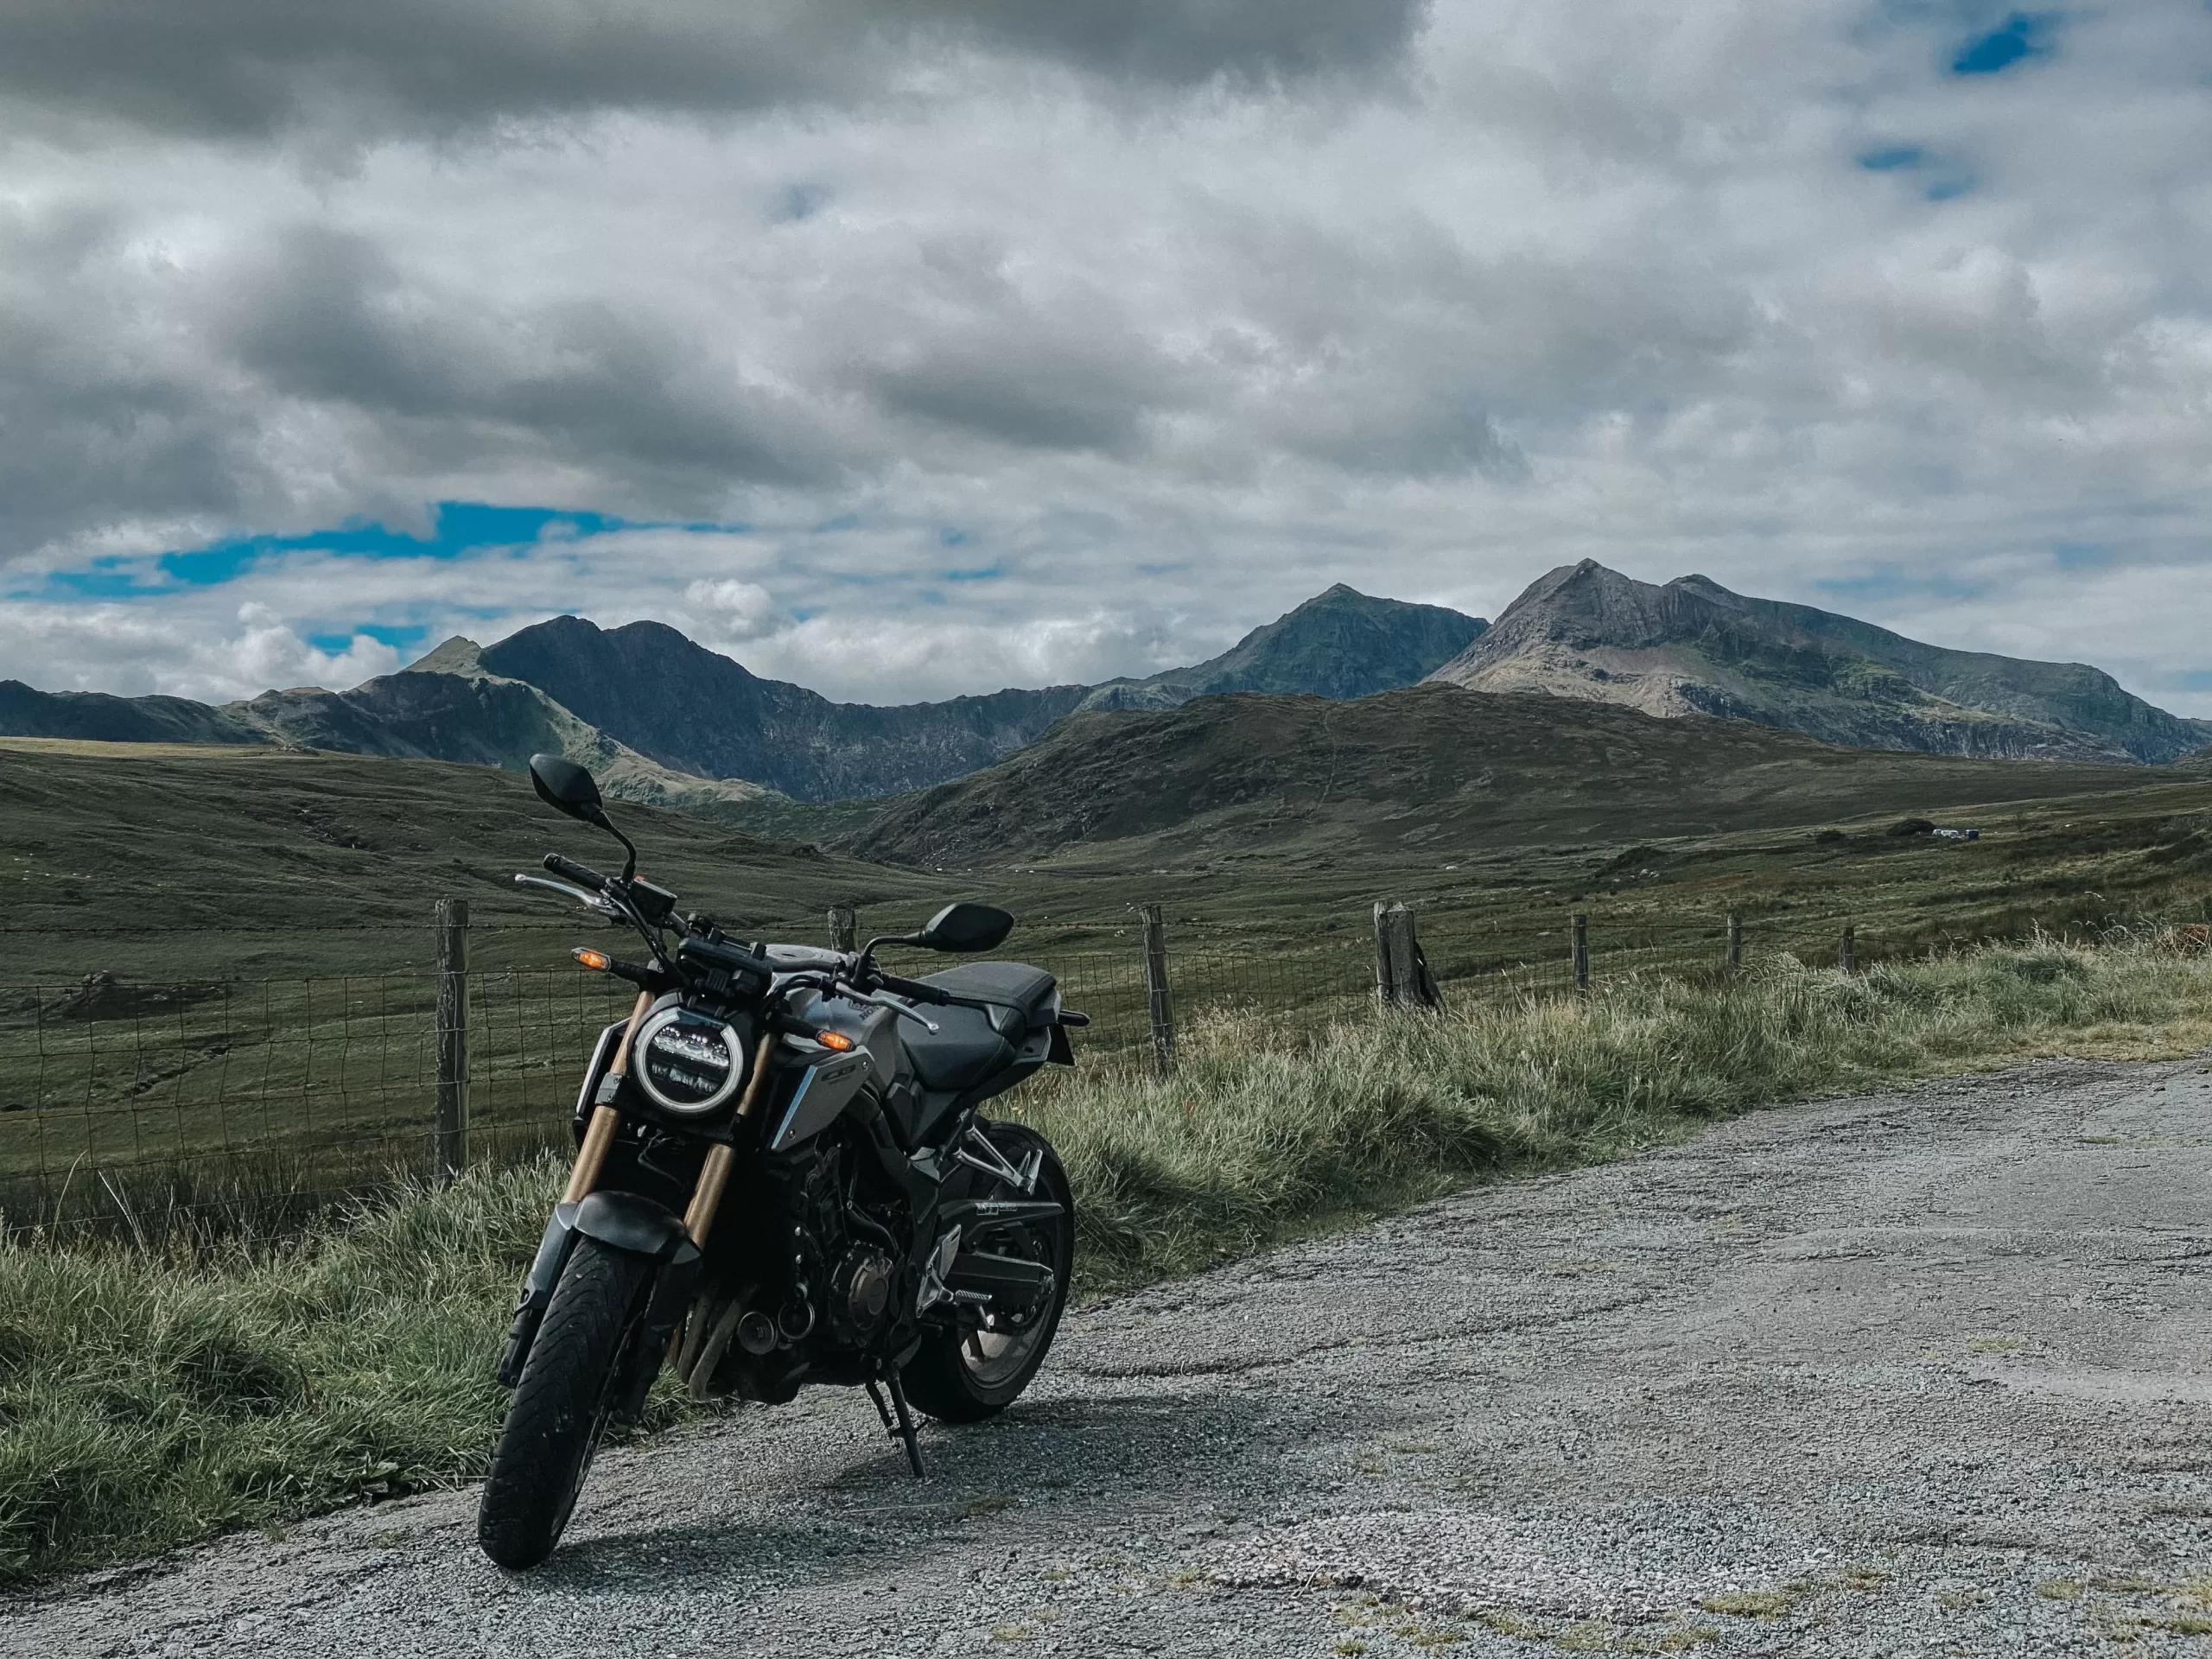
782, 1178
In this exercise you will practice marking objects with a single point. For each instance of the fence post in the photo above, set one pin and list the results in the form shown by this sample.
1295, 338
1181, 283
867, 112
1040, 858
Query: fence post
1735, 943
453, 1035
1386, 970
844, 928
1402, 978
1581, 953
1161, 1008
1846, 953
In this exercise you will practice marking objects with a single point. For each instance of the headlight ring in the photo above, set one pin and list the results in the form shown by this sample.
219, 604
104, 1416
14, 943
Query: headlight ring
687, 1062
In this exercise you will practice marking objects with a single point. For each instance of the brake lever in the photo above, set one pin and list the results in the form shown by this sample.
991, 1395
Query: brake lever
591, 901
853, 992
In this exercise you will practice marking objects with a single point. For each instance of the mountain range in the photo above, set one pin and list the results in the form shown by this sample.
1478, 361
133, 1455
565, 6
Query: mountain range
1692, 647
1430, 764
662, 719
665, 719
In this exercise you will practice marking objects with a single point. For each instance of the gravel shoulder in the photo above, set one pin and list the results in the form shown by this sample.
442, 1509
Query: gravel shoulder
1929, 1373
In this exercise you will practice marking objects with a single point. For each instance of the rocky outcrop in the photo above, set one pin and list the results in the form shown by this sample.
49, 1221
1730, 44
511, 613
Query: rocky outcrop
1692, 646
479, 719
1341, 643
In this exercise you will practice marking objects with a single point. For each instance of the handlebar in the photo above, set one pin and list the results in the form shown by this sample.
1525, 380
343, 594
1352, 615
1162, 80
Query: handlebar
582, 875
916, 990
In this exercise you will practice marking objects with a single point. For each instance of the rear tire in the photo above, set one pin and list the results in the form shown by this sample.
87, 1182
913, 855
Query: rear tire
563, 1404
965, 1375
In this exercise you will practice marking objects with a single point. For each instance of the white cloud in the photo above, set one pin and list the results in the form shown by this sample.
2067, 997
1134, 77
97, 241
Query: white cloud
1037, 343
139, 650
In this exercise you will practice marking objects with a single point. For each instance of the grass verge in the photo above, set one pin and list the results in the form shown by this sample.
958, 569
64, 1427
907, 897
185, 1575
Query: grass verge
150, 1396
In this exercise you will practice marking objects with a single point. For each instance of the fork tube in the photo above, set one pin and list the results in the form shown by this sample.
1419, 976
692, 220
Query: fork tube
707, 1196
598, 1135
714, 1172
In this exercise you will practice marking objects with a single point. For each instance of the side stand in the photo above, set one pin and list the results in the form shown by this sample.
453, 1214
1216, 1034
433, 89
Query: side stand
902, 1428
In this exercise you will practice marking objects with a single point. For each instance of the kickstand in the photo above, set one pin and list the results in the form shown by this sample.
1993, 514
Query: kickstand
902, 1429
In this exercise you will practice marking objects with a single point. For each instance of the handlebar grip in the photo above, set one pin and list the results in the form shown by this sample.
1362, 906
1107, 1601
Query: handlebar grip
915, 990
577, 873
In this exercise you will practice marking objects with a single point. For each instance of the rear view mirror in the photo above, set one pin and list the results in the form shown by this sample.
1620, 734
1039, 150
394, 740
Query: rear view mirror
966, 927
567, 788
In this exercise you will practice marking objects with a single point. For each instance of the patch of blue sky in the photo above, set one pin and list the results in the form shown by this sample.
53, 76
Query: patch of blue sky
2020, 37
105, 578
458, 528
1888, 582
952, 537
1941, 181
981, 573
2080, 556
402, 638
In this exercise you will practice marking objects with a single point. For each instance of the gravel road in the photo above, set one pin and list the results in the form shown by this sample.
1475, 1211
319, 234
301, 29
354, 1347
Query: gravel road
1921, 1374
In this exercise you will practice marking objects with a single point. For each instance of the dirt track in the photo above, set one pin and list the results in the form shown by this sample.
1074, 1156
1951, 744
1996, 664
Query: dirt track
1924, 1373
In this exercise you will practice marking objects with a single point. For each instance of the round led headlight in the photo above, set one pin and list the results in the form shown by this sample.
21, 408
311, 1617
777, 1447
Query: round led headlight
686, 1062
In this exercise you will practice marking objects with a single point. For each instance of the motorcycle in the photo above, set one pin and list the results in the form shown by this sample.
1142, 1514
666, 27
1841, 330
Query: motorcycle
782, 1178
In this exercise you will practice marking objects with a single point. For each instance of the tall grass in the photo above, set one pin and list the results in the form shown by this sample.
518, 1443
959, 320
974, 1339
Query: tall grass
153, 1392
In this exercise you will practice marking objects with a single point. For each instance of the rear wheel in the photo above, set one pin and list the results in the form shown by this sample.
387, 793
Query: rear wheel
563, 1404
980, 1366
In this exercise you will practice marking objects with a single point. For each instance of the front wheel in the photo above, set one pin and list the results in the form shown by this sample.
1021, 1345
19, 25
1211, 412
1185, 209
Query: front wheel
562, 1403
979, 1367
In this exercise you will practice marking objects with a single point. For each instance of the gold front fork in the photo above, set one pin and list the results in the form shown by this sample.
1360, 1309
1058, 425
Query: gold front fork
598, 1135
713, 1173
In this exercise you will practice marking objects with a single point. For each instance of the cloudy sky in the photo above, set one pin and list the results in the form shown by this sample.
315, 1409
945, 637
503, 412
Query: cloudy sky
908, 347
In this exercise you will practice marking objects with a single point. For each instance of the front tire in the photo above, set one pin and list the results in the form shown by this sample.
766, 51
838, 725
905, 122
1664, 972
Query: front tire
967, 1373
563, 1404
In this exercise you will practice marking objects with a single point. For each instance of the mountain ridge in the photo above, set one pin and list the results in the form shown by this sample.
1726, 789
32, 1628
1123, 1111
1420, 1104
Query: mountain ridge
670, 721
1691, 646
1431, 765
1341, 643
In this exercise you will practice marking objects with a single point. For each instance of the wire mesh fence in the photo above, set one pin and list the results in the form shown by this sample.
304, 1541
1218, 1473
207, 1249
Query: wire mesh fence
253, 1095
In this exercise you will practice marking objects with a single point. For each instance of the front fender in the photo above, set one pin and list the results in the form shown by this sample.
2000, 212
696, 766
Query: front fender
623, 1221
631, 1223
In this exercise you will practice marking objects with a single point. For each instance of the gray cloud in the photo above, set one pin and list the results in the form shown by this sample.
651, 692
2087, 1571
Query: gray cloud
325, 317
228, 68
94, 408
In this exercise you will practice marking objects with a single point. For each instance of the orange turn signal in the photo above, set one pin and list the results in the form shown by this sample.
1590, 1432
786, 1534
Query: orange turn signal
833, 1040
598, 960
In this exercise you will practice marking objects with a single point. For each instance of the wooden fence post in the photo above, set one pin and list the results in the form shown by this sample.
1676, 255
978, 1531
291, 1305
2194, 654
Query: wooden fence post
1402, 978
453, 1036
1735, 943
1581, 953
1158, 1005
1847, 952
844, 928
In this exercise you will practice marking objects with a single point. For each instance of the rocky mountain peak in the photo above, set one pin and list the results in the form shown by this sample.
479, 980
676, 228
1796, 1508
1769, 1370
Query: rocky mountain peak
1691, 646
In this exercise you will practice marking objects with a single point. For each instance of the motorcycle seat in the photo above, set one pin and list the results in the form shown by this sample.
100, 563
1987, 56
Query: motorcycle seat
1023, 993
971, 1044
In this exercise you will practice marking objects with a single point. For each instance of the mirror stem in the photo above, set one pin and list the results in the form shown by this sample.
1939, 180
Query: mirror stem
630, 862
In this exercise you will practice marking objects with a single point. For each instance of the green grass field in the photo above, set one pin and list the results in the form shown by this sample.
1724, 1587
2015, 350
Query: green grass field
264, 919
